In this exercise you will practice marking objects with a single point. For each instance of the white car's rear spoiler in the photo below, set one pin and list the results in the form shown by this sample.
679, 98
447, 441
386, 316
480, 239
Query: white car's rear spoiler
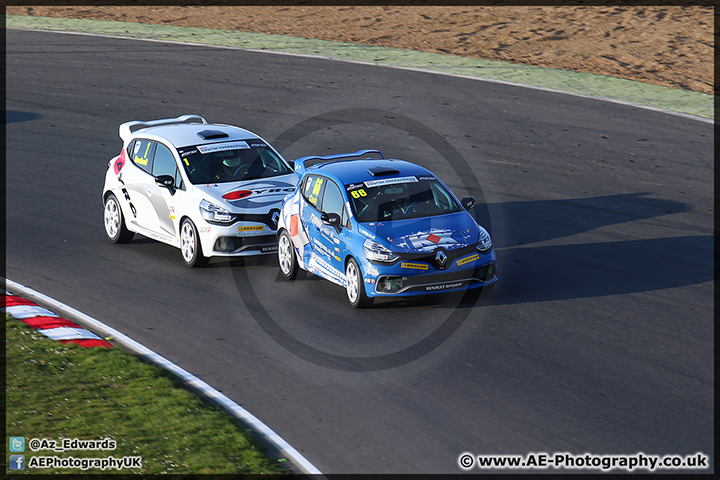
126, 129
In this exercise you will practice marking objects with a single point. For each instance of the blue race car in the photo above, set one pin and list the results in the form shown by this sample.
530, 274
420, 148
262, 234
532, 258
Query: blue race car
381, 228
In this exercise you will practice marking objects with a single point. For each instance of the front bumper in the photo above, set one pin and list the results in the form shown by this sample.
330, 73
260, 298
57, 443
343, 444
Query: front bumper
420, 278
237, 240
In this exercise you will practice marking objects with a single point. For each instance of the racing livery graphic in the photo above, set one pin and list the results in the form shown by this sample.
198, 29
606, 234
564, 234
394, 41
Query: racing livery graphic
208, 189
381, 228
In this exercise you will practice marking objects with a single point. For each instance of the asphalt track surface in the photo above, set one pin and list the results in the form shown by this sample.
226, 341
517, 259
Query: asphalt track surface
598, 337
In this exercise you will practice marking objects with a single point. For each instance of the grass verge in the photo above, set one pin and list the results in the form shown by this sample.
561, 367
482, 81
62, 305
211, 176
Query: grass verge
64, 391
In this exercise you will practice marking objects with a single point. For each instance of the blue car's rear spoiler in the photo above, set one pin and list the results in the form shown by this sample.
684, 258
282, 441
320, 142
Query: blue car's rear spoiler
300, 162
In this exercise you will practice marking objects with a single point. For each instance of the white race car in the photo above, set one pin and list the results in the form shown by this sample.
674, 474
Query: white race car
208, 189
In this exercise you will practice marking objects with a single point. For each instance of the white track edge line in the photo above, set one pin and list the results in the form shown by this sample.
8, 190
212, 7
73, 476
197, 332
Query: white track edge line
412, 69
189, 379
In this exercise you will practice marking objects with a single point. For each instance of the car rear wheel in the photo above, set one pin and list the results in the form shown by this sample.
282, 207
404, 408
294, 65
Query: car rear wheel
115, 228
286, 256
355, 286
190, 245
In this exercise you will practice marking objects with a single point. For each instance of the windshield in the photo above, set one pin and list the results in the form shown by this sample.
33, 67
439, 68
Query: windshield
231, 162
400, 198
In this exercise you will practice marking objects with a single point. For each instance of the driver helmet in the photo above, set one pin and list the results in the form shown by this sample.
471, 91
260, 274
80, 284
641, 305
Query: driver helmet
232, 161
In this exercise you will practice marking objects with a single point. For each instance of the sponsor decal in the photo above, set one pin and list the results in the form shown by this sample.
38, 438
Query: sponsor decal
251, 228
144, 159
415, 266
445, 286
212, 185
434, 239
237, 194
364, 232
241, 194
294, 225
269, 248
184, 154
360, 192
275, 190
258, 145
119, 163
315, 220
471, 258
313, 198
219, 147
390, 181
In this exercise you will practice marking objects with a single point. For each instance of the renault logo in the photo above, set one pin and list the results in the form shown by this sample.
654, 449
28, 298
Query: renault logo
440, 257
275, 217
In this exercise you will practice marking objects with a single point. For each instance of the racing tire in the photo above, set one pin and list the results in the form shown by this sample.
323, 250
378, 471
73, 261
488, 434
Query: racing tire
114, 221
355, 287
286, 256
190, 245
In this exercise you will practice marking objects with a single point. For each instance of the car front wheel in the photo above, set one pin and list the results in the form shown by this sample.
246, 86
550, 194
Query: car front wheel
286, 257
114, 222
355, 286
190, 245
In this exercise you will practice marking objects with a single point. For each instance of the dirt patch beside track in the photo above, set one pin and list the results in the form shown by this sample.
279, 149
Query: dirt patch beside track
671, 46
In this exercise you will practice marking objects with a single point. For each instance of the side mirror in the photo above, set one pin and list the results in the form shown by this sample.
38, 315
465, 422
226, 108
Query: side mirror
468, 202
166, 181
332, 219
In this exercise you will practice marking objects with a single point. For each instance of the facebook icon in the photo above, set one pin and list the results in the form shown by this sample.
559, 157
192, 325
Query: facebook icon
17, 462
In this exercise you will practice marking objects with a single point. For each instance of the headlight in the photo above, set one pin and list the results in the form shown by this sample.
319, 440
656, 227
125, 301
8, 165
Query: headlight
484, 243
213, 213
378, 253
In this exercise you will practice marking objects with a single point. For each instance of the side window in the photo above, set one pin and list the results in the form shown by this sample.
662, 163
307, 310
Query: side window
178, 179
142, 154
313, 191
164, 162
332, 200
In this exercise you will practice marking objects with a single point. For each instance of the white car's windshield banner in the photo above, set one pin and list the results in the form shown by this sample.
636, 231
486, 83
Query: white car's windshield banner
219, 147
390, 181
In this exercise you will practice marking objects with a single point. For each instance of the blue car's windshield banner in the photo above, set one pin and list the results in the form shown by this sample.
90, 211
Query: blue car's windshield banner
390, 181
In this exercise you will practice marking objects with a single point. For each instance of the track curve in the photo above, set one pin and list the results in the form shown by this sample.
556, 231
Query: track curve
598, 338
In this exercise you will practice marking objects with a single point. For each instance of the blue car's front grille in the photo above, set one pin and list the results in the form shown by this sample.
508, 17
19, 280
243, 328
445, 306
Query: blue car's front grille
430, 258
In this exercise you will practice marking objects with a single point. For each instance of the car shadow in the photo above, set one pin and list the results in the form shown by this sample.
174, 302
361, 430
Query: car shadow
12, 116
530, 273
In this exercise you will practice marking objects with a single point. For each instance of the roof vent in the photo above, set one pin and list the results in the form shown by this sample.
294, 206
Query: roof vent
210, 134
379, 171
